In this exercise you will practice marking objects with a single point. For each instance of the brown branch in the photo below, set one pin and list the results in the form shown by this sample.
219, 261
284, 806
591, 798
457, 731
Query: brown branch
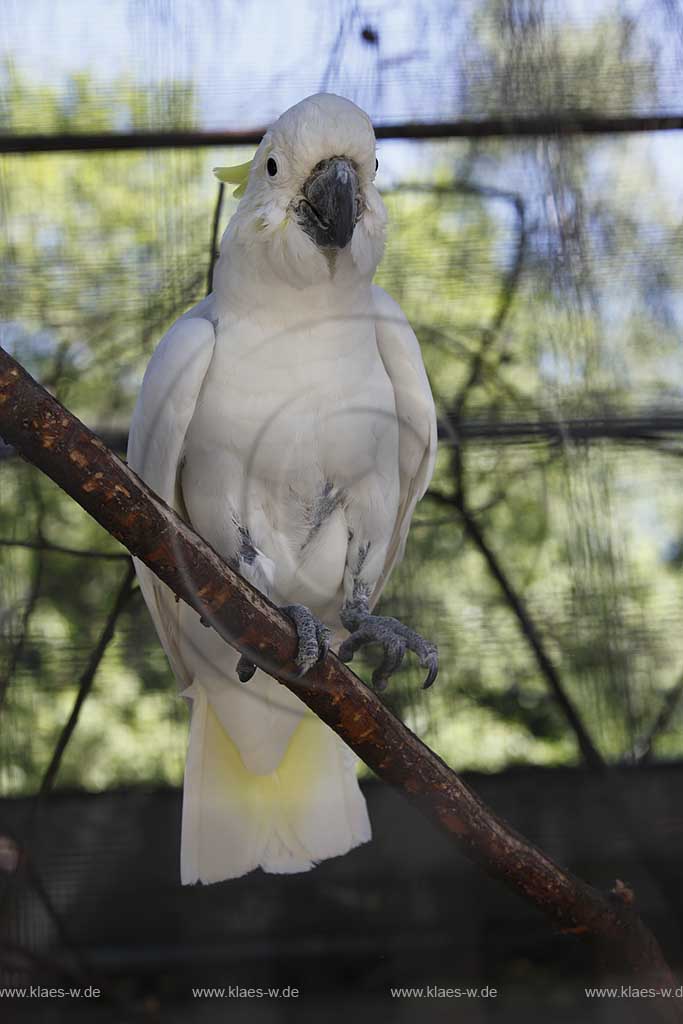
559, 123
55, 441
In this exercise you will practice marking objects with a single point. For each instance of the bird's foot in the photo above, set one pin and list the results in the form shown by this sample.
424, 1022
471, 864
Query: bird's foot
394, 637
314, 642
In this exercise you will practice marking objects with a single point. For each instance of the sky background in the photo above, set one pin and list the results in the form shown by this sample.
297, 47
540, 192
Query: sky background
249, 62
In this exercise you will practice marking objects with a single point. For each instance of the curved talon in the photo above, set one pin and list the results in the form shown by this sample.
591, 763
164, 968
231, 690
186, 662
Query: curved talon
245, 669
431, 661
324, 643
396, 639
394, 653
348, 648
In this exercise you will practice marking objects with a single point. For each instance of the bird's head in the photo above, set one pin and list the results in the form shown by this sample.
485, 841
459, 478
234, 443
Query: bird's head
308, 199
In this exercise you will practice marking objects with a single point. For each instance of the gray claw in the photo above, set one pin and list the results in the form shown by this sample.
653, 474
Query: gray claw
396, 639
314, 642
245, 669
394, 653
431, 661
314, 637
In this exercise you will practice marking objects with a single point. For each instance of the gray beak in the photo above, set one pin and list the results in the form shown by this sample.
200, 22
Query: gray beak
329, 204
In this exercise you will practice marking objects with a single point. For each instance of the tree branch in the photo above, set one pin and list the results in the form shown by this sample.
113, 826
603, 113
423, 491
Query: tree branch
508, 290
61, 446
215, 224
59, 549
527, 626
30, 603
646, 427
650, 427
450, 425
87, 679
533, 126
644, 746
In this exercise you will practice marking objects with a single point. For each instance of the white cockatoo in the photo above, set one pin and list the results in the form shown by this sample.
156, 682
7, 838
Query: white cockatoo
288, 418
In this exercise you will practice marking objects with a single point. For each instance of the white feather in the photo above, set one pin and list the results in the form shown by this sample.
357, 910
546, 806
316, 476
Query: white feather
400, 352
288, 417
160, 420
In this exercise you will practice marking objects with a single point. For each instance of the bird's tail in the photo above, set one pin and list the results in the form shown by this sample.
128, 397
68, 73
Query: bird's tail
234, 820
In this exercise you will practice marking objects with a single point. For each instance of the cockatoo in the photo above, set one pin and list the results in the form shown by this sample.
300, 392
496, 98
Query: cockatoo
289, 419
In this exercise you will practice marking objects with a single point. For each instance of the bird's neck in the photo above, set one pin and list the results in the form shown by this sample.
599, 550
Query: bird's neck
241, 285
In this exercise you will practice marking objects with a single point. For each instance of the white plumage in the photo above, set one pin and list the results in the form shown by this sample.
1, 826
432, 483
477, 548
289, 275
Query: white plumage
289, 418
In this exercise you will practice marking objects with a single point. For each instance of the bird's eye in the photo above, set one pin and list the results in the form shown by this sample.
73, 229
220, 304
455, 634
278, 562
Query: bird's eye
376, 165
271, 167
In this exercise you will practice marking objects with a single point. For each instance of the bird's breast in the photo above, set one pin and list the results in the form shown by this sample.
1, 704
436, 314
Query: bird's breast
299, 408
286, 433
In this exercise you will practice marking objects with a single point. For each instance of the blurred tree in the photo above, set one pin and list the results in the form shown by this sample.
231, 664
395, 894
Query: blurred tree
541, 278
94, 273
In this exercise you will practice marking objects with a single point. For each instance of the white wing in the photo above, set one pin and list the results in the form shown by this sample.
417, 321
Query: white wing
160, 420
399, 350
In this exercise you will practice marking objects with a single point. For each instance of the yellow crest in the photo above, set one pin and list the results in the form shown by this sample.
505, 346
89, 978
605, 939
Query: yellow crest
237, 175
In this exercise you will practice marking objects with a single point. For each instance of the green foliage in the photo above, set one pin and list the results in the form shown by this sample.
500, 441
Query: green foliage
101, 252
